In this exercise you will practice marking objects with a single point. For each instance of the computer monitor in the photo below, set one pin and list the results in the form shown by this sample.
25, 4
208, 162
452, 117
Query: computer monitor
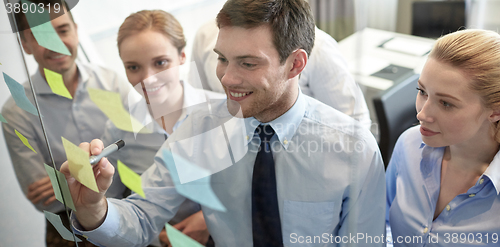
433, 19
430, 18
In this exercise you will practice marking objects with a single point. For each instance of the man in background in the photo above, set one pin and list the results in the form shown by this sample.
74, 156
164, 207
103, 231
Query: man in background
77, 119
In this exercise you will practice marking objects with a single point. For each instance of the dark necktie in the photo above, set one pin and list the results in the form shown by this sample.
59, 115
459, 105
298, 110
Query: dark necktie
266, 223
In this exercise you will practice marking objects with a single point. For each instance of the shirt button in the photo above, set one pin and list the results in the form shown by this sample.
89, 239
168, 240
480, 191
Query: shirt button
426, 230
285, 142
248, 137
481, 181
472, 195
448, 207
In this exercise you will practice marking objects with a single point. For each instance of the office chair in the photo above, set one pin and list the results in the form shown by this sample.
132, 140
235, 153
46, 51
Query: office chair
395, 109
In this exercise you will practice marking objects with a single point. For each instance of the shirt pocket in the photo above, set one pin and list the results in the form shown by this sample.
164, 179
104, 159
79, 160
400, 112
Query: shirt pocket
307, 220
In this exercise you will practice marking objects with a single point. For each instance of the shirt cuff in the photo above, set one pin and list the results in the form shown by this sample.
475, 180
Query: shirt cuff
102, 233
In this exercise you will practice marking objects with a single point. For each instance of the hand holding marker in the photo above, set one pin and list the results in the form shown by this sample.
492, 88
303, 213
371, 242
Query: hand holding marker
107, 151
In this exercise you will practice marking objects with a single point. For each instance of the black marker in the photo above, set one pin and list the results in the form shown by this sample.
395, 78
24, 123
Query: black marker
107, 151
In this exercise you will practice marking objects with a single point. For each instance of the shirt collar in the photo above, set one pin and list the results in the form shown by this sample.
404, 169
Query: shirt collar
493, 172
42, 87
284, 126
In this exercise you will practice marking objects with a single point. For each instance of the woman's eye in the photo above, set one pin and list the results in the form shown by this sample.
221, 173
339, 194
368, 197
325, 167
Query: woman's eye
132, 68
222, 60
162, 62
421, 91
446, 104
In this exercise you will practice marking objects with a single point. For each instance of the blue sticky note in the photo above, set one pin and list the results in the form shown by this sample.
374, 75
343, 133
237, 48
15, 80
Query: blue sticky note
19, 95
44, 32
199, 190
60, 189
2, 119
55, 220
179, 239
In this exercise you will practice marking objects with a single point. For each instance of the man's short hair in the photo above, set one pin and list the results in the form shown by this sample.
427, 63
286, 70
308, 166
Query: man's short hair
291, 21
22, 22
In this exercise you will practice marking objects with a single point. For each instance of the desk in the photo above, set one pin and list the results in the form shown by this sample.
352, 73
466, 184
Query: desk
365, 56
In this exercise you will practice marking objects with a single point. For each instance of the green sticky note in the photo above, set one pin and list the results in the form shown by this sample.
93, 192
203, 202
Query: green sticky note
110, 103
179, 239
56, 83
2, 119
130, 179
55, 220
19, 95
79, 165
24, 140
53, 173
42, 29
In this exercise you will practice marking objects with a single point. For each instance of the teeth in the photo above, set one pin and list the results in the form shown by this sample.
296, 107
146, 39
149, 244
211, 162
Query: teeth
238, 95
57, 57
149, 90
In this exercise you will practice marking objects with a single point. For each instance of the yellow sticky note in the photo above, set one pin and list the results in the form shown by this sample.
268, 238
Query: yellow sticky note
79, 165
24, 140
110, 103
130, 179
179, 239
56, 83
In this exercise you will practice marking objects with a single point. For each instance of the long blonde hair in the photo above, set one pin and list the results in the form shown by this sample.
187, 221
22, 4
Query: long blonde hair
477, 54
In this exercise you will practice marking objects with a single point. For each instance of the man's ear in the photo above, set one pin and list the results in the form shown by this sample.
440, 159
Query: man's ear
24, 42
495, 116
298, 61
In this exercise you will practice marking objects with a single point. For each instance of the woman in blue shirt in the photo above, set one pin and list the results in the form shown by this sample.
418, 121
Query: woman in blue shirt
443, 180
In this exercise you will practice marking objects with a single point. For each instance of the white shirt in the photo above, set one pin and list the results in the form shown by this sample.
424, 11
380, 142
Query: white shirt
140, 149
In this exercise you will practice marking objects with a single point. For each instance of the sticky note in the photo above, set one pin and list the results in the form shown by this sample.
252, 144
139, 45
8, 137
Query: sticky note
24, 140
79, 165
56, 83
183, 148
55, 220
54, 175
130, 179
2, 119
199, 190
43, 31
179, 239
111, 104
19, 95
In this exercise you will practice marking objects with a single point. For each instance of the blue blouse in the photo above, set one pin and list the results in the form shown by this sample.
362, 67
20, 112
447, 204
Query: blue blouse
413, 184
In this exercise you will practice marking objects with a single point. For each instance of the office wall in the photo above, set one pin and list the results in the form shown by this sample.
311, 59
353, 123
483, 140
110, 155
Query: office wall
100, 26
21, 224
